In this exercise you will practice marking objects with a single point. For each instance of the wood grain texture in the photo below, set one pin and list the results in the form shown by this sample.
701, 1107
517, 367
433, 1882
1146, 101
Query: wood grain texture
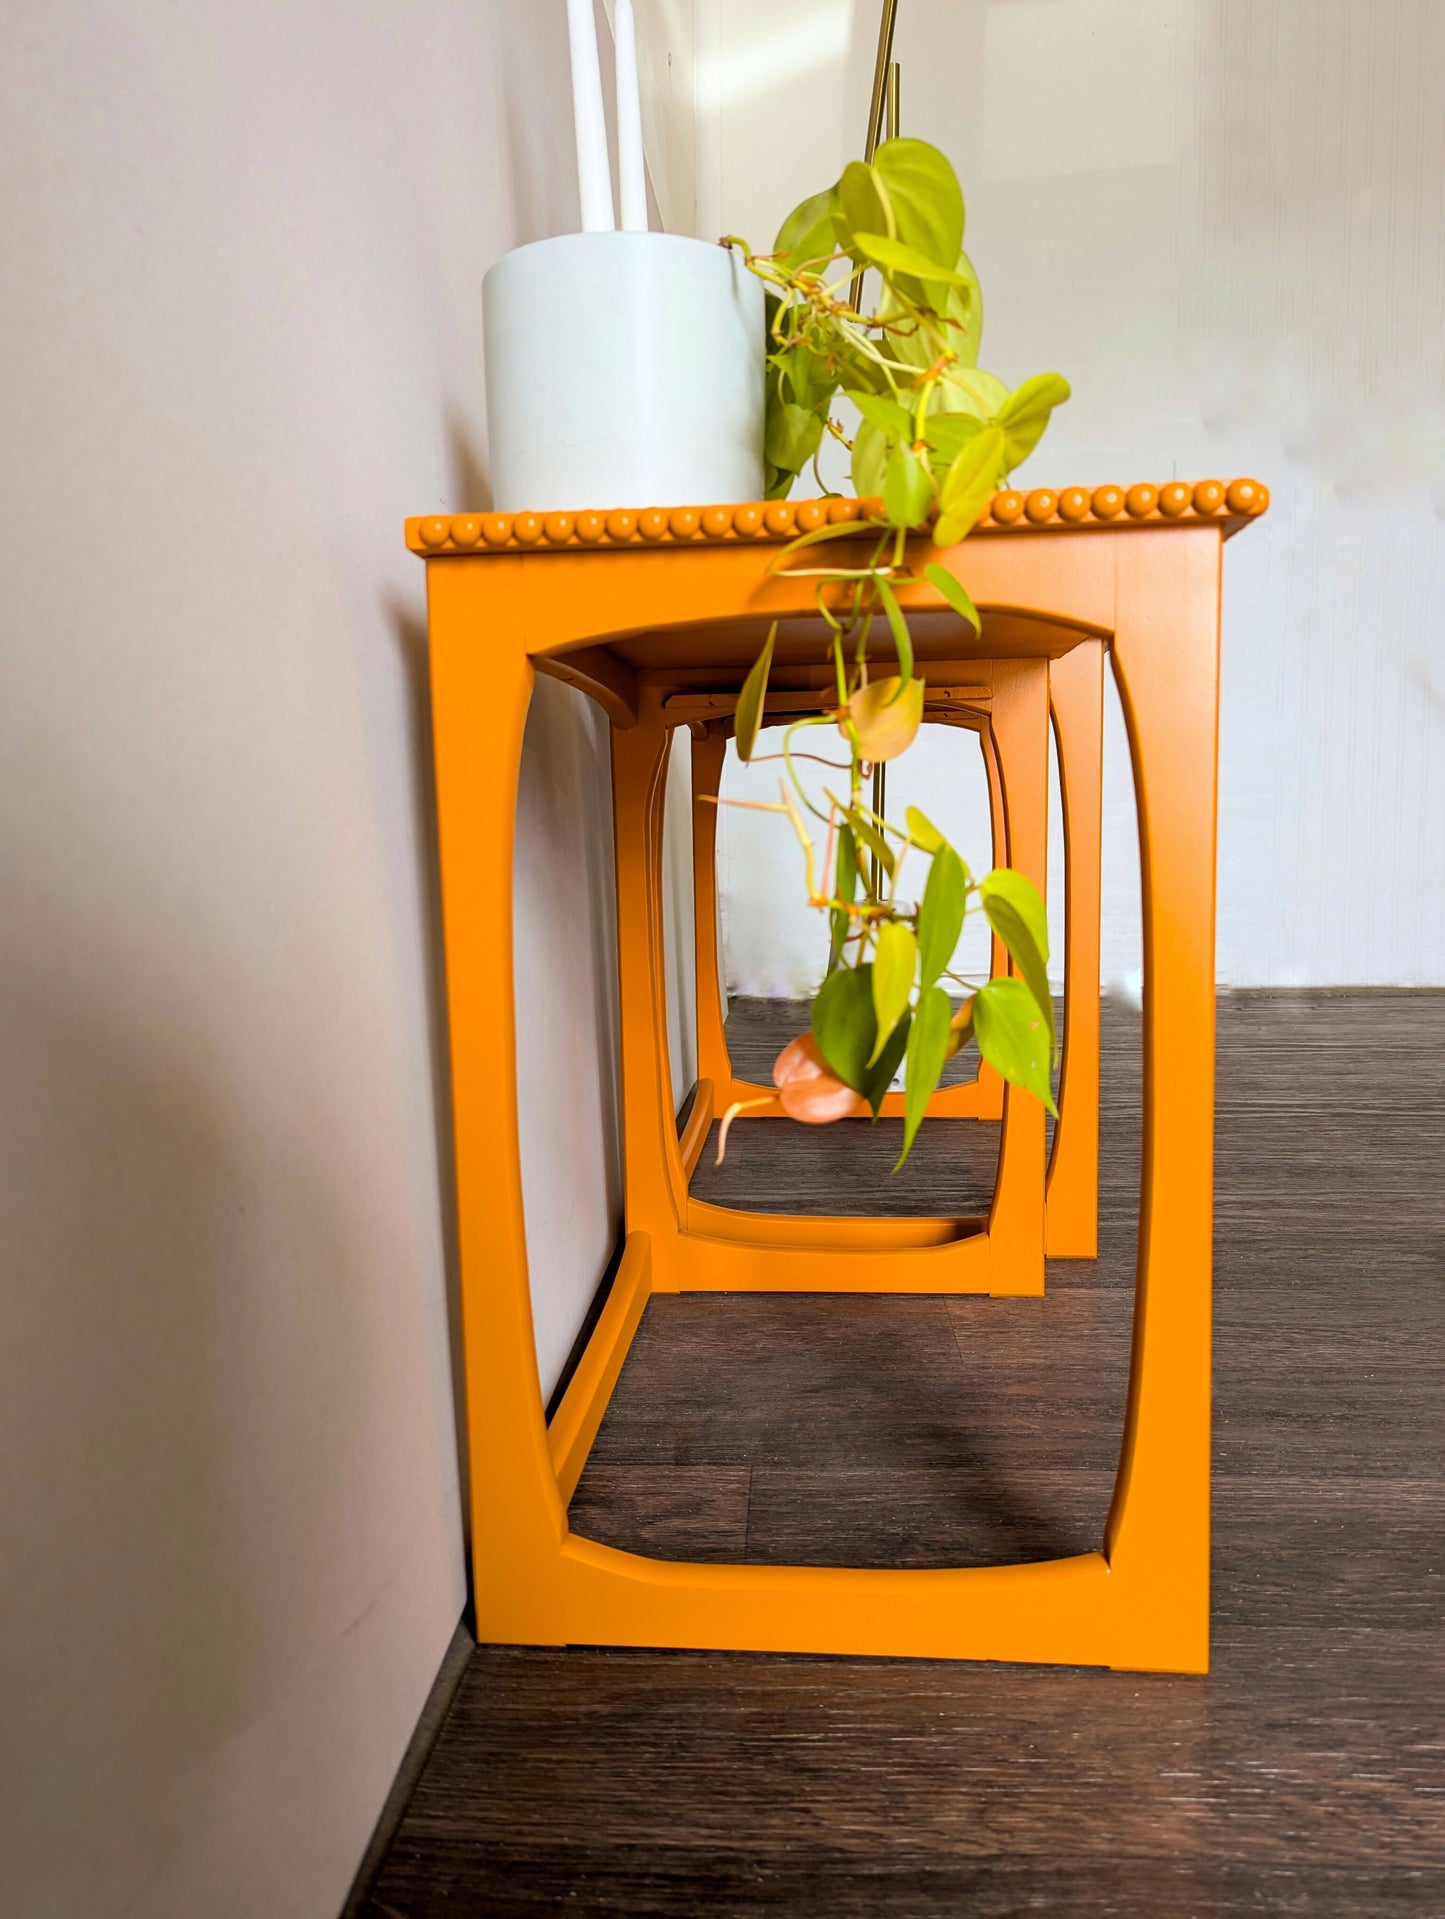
1306, 1775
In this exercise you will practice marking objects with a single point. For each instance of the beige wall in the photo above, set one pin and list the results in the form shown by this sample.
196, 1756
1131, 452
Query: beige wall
241, 267
1224, 220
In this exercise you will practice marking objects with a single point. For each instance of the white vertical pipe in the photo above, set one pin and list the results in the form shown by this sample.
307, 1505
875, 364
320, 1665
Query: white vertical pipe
631, 180
594, 171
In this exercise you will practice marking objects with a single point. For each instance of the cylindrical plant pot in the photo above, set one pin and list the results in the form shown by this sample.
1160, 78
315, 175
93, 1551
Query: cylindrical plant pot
623, 369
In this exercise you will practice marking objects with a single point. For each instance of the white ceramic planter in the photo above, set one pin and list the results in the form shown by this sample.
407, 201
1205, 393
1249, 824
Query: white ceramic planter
623, 369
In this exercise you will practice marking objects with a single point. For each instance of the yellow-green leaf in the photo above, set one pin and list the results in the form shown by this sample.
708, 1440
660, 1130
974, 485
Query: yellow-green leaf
928, 1049
922, 831
844, 1023
925, 196
907, 487
895, 960
960, 313
1016, 913
895, 420
868, 833
886, 715
898, 627
806, 237
881, 1074
960, 1029
948, 433
968, 487
941, 911
895, 258
1012, 1037
954, 592
870, 456
749, 715
792, 436
861, 203
969, 389
1007, 884
1025, 414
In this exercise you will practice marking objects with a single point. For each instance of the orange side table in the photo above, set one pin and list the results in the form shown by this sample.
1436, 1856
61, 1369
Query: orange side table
642, 608
1076, 707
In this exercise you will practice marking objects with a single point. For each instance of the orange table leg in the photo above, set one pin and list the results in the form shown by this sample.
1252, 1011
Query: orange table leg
518, 1519
1166, 663
1076, 697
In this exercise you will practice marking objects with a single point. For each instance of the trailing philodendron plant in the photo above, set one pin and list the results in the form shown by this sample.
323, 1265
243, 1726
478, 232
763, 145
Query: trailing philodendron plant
935, 436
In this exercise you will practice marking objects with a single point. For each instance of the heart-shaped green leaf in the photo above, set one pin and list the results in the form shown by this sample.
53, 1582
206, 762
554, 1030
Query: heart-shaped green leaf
968, 487
907, 487
925, 196
1016, 913
928, 1047
749, 714
969, 389
947, 434
886, 714
894, 420
954, 592
807, 236
805, 375
792, 435
880, 1076
1025, 414
897, 259
921, 830
898, 627
844, 1023
1003, 883
940, 913
959, 309
870, 459
1012, 1037
895, 960
861, 204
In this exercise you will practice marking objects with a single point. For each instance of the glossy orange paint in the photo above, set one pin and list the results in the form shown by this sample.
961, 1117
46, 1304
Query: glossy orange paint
677, 606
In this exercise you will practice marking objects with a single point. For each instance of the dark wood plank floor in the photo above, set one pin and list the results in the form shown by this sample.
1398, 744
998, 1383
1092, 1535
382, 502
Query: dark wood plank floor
1305, 1775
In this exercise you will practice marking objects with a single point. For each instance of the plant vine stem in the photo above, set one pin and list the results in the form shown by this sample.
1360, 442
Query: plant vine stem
811, 719
838, 766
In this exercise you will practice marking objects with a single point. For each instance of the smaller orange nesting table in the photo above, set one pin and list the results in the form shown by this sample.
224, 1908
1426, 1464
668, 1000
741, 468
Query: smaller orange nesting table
1076, 708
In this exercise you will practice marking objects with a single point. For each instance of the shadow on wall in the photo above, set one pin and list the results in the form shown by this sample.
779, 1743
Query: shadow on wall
411, 640
471, 477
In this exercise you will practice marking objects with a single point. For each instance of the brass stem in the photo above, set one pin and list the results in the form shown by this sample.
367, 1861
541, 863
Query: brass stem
880, 800
877, 107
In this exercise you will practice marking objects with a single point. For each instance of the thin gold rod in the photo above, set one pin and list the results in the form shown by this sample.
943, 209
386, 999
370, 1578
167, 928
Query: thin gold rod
882, 120
880, 77
876, 108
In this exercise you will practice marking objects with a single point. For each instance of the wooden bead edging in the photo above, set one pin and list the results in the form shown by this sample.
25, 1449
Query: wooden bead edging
1231, 502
